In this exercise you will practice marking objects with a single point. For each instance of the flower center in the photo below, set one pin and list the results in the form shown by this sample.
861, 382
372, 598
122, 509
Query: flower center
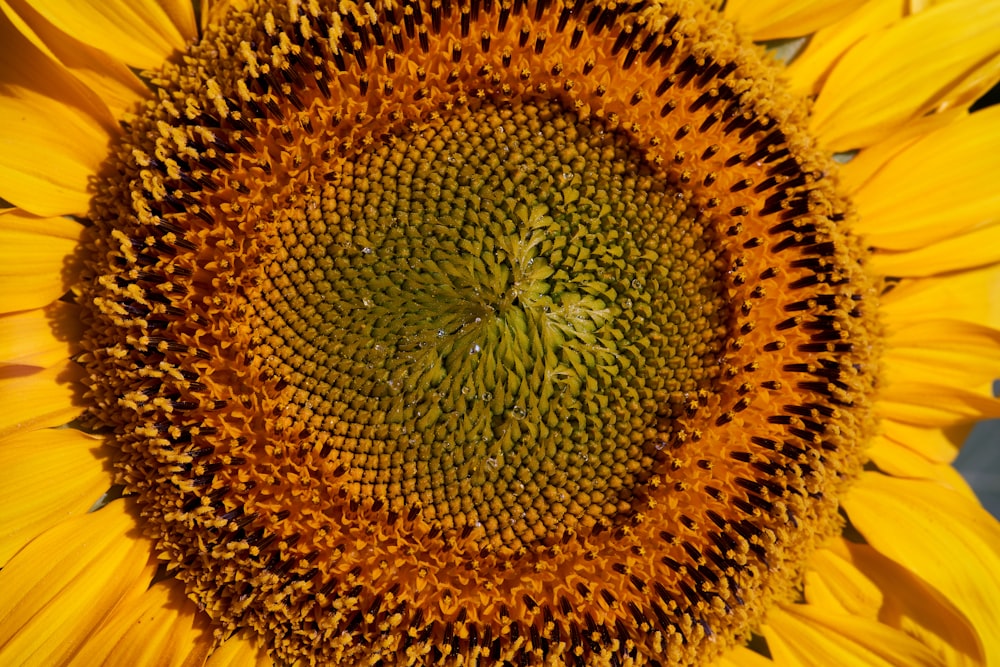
488, 318
512, 332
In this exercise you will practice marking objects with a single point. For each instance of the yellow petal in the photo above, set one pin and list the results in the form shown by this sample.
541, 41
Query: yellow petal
743, 657
140, 33
241, 650
38, 399
901, 461
42, 337
36, 259
936, 445
941, 185
835, 584
953, 354
158, 627
883, 81
972, 86
113, 82
976, 249
798, 634
972, 296
809, 70
870, 160
59, 588
50, 475
928, 404
916, 608
794, 18
941, 536
54, 130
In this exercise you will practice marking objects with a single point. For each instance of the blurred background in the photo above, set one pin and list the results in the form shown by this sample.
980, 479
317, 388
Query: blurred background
979, 463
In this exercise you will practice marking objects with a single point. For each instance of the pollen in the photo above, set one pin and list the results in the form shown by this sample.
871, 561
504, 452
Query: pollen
479, 332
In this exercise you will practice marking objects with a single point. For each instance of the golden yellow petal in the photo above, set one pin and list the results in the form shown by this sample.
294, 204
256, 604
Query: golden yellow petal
42, 337
913, 606
952, 354
972, 86
774, 20
34, 399
113, 82
883, 81
936, 445
157, 627
63, 584
241, 650
140, 33
941, 536
835, 584
809, 70
941, 185
901, 461
743, 657
50, 475
798, 634
972, 296
869, 161
36, 259
980, 248
928, 404
54, 130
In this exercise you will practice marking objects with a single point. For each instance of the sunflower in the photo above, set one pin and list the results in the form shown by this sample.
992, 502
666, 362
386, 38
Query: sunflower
492, 332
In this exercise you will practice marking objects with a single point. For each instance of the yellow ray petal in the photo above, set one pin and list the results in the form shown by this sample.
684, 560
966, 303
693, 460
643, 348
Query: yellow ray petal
240, 650
869, 161
953, 191
972, 296
795, 18
36, 259
952, 354
37, 399
42, 337
901, 461
141, 33
882, 81
809, 70
929, 404
743, 657
965, 251
159, 627
54, 130
59, 588
113, 82
971, 87
941, 536
50, 476
911, 605
799, 634
936, 445
835, 584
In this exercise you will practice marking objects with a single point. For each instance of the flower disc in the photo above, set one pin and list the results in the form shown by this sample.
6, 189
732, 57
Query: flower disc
433, 332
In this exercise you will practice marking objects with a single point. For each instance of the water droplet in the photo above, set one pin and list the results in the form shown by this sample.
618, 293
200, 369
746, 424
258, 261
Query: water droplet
487, 396
475, 349
441, 333
636, 283
366, 250
466, 389
517, 412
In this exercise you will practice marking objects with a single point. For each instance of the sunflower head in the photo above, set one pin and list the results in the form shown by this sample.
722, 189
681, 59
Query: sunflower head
526, 332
